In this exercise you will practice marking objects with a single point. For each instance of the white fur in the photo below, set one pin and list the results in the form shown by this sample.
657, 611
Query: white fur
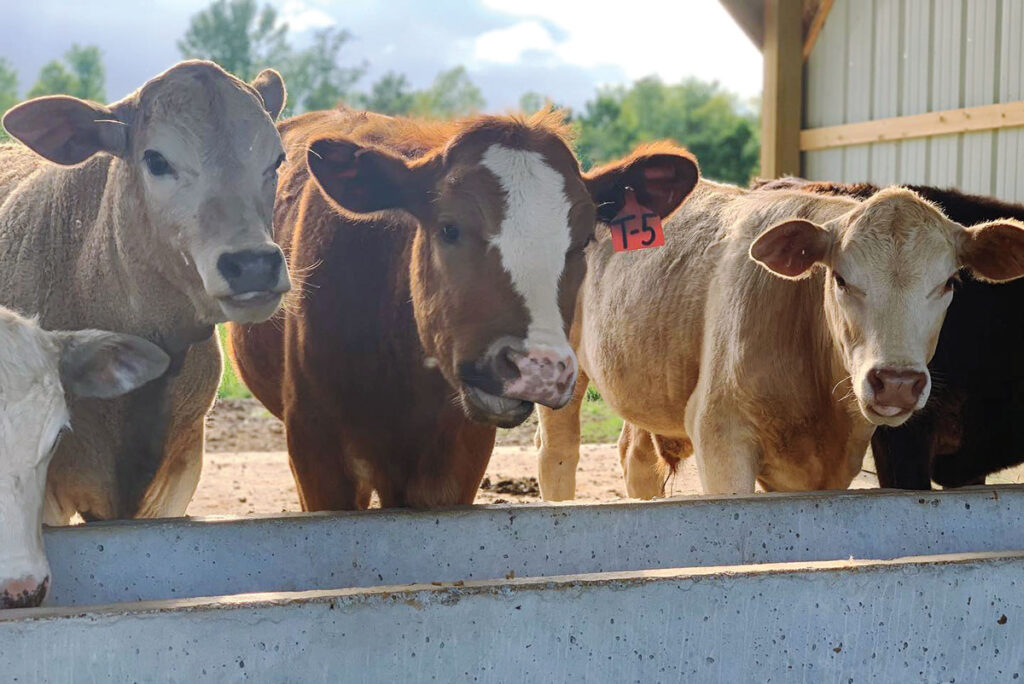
534, 238
32, 414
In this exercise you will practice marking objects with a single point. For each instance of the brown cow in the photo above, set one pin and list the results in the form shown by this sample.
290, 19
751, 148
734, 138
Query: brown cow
784, 328
441, 263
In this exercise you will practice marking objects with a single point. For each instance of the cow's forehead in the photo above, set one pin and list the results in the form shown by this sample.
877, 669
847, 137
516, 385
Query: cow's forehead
210, 111
28, 358
902, 235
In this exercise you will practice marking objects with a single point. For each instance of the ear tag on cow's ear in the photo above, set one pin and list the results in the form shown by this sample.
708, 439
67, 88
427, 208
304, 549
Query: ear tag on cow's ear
636, 226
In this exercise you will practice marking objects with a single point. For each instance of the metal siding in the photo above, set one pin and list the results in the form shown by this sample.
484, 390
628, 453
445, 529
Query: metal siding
979, 85
826, 70
877, 59
947, 36
1009, 145
916, 80
860, 35
886, 87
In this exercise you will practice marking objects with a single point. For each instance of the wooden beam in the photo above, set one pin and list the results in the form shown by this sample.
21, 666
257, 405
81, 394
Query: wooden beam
948, 122
816, 25
782, 101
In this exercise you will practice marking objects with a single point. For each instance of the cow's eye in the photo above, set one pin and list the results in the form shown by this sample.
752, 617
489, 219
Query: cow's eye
450, 233
156, 163
953, 283
840, 281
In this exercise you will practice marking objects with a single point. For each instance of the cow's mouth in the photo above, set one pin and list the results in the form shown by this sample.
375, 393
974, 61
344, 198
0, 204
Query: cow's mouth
255, 298
882, 414
502, 412
250, 307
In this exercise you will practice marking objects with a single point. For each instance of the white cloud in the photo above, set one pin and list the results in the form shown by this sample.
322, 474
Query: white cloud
671, 39
301, 17
507, 45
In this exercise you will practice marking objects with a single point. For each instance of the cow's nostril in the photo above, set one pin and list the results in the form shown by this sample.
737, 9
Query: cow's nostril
250, 270
505, 364
229, 267
875, 380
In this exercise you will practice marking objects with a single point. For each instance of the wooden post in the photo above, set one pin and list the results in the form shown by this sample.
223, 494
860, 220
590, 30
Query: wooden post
782, 104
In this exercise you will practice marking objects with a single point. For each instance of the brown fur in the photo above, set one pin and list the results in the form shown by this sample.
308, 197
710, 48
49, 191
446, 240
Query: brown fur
363, 367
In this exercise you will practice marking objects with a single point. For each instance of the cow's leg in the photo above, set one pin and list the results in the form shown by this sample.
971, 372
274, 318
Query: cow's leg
175, 483
642, 466
903, 455
326, 478
448, 474
558, 439
726, 447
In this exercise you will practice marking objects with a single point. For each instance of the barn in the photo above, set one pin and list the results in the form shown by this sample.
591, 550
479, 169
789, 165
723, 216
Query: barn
892, 91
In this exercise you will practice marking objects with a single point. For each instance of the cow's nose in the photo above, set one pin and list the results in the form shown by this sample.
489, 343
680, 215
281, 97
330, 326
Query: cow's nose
251, 270
544, 375
27, 592
897, 387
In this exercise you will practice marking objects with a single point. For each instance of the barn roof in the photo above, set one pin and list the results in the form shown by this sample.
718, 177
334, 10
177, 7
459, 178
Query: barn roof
749, 14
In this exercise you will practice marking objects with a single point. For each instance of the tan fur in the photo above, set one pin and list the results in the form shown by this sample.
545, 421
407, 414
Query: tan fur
754, 369
78, 248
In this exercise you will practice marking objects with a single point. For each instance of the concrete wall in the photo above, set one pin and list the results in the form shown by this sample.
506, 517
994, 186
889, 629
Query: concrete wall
886, 58
130, 561
920, 620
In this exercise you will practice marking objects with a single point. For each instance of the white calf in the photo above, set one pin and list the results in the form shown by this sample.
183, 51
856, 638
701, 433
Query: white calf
39, 372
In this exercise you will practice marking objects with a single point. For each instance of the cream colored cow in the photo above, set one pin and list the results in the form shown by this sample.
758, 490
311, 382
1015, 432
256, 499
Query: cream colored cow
769, 337
39, 372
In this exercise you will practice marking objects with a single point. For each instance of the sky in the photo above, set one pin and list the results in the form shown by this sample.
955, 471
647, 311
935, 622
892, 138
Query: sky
565, 49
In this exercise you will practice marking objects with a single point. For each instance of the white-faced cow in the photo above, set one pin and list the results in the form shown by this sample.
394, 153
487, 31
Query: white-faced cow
784, 327
40, 372
441, 264
150, 216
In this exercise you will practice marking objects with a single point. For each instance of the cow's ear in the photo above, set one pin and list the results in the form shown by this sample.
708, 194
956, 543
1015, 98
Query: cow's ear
365, 179
67, 130
791, 248
104, 365
269, 84
661, 174
994, 251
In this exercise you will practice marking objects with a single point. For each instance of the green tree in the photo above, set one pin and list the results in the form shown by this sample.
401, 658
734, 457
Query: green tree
390, 94
701, 115
315, 76
80, 74
238, 35
452, 94
86, 63
8, 90
532, 101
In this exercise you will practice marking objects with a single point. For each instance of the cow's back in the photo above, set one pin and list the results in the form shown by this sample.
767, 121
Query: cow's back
646, 314
643, 314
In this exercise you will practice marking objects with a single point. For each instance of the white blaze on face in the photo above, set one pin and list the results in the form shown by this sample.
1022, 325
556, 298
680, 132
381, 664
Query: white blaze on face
534, 238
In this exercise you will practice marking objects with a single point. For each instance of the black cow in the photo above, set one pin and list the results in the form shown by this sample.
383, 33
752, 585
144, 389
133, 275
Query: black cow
973, 424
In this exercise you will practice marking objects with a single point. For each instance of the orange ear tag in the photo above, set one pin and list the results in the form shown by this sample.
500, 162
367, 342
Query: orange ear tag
636, 226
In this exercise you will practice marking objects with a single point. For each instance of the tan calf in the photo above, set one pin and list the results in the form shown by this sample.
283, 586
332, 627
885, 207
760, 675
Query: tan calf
149, 216
769, 336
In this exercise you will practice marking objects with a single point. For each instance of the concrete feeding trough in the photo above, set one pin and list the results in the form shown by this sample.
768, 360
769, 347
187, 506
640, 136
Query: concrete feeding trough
875, 584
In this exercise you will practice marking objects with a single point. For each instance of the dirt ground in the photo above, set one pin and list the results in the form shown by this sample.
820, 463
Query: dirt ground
246, 468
